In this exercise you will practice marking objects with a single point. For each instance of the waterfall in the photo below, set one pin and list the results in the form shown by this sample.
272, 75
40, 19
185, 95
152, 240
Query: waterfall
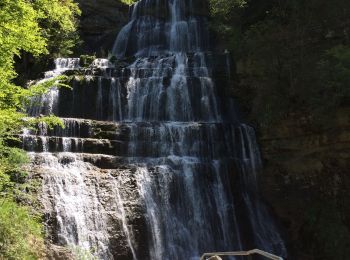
47, 103
148, 165
79, 214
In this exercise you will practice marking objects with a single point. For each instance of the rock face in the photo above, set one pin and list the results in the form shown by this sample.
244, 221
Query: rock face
102, 175
88, 197
87, 209
306, 180
100, 22
149, 164
59, 253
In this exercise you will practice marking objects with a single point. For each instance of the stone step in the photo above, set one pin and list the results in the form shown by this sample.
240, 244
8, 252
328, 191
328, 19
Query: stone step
124, 74
34, 143
110, 99
82, 128
104, 161
143, 139
126, 131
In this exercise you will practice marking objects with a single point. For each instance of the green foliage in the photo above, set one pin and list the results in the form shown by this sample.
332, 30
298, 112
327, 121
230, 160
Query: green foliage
41, 87
20, 233
19, 31
223, 9
129, 2
31, 27
58, 24
11, 173
225, 21
293, 61
266, 63
58, 21
27, 28
292, 57
86, 60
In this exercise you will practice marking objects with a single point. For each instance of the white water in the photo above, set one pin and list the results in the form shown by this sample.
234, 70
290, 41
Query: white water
47, 103
122, 215
102, 63
182, 227
71, 195
188, 159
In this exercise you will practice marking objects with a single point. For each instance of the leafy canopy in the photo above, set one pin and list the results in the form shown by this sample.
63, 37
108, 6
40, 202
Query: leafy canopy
35, 27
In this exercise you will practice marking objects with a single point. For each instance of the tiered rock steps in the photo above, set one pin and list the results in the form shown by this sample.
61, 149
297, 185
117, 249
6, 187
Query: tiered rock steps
96, 91
117, 143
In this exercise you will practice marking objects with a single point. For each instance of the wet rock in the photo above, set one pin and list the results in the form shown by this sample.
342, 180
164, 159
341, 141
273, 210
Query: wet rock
104, 201
160, 185
59, 253
100, 23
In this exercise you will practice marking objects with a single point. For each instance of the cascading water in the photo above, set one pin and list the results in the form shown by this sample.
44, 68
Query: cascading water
164, 173
47, 104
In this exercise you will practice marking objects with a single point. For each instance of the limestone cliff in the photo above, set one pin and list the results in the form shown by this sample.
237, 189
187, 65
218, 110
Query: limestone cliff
306, 180
100, 22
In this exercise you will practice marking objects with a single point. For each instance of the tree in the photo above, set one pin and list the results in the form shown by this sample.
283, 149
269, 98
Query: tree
27, 27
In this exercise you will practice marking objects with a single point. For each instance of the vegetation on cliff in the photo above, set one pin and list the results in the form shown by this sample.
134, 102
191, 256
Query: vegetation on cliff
129, 2
292, 56
293, 65
293, 59
27, 28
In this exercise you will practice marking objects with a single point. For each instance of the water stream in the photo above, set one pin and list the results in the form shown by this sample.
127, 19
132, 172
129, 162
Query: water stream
149, 166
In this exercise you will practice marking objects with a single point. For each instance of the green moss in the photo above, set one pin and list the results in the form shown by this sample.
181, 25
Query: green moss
86, 60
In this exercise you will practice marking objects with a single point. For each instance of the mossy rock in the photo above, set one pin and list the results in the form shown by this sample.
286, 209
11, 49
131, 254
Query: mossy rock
86, 60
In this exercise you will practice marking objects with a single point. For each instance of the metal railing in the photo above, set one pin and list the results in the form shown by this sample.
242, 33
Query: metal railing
242, 253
